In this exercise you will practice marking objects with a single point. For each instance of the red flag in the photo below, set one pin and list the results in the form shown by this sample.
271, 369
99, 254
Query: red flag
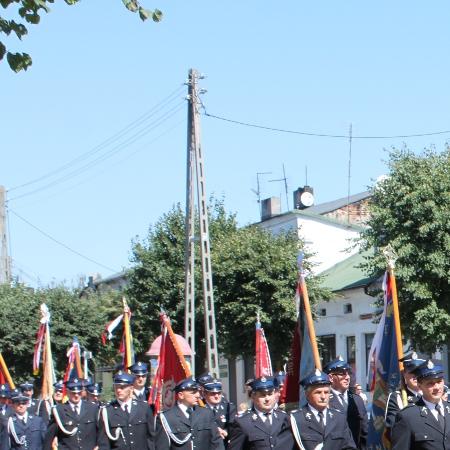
5, 376
263, 365
172, 368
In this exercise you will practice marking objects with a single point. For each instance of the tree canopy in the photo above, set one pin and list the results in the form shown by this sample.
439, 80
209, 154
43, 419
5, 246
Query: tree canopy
253, 270
410, 211
71, 316
29, 12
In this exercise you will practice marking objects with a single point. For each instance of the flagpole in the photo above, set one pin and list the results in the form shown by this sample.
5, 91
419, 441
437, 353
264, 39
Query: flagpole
391, 258
308, 314
5, 371
126, 324
257, 348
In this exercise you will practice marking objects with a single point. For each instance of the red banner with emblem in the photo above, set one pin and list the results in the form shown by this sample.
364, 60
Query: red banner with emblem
263, 364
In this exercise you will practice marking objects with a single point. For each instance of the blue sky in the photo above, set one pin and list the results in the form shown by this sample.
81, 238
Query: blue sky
315, 67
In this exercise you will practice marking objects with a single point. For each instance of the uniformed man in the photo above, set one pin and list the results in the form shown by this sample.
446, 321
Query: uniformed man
44, 408
5, 408
87, 383
425, 424
395, 402
126, 423
23, 429
140, 372
94, 392
27, 389
223, 410
316, 425
73, 424
342, 399
263, 426
187, 426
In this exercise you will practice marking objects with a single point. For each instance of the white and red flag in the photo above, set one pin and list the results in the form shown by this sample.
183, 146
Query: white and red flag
263, 364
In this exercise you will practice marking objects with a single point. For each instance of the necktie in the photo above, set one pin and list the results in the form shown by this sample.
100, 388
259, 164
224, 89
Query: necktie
321, 420
23, 421
125, 408
440, 417
76, 410
267, 423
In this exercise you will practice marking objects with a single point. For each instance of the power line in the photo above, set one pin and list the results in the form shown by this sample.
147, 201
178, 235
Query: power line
325, 135
62, 244
116, 149
150, 113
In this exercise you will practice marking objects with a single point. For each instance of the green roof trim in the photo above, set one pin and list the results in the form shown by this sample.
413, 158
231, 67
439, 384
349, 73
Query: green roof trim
347, 274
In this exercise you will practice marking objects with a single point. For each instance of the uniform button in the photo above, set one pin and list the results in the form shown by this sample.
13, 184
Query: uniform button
131, 433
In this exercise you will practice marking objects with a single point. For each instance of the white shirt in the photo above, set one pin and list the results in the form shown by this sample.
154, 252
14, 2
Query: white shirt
139, 392
432, 407
78, 406
338, 395
184, 408
24, 417
316, 414
265, 416
127, 403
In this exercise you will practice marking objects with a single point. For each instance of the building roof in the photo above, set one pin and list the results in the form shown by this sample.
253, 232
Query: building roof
347, 274
324, 208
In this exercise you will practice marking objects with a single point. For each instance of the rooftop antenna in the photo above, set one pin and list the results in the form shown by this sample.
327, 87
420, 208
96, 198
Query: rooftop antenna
306, 175
284, 179
258, 187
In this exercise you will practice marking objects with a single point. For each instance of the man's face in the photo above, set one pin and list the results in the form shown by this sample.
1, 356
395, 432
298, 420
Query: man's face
264, 400
20, 407
318, 396
340, 380
123, 392
139, 381
58, 396
432, 389
28, 392
74, 397
189, 397
213, 398
92, 397
411, 381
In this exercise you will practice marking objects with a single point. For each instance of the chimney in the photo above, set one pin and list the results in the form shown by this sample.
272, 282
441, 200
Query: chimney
270, 207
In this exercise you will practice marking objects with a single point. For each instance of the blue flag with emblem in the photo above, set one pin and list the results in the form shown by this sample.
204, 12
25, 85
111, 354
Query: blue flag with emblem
384, 371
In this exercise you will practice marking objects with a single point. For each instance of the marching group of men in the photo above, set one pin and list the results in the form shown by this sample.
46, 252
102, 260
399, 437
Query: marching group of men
331, 417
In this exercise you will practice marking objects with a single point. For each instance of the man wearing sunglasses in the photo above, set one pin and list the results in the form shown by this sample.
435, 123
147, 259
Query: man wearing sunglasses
140, 372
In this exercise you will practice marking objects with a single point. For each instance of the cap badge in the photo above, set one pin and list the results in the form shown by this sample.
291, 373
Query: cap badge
430, 364
340, 358
414, 355
317, 373
263, 379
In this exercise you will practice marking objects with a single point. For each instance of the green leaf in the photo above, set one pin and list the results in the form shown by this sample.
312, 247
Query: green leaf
42, 4
144, 14
19, 61
157, 15
2, 50
33, 18
131, 5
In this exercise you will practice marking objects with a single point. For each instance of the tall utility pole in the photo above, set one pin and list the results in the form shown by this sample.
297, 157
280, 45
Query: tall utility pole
5, 268
195, 165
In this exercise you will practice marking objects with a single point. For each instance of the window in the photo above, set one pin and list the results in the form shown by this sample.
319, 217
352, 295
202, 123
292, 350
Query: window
347, 308
327, 347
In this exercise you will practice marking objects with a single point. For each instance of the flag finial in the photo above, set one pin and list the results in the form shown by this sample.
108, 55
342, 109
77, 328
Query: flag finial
390, 255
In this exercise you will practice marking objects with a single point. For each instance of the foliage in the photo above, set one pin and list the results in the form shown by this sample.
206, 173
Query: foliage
30, 12
253, 271
410, 211
70, 316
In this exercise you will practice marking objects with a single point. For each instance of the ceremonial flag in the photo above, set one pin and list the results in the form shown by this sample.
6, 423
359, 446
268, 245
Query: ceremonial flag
126, 343
172, 368
304, 356
43, 346
384, 369
73, 368
263, 364
5, 376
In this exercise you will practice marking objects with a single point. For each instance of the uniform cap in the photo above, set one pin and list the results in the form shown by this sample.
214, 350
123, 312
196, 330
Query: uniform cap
213, 386
59, 385
74, 385
87, 382
27, 386
188, 384
264, 384
317, 378
139, 368
205, 378
411, 362
337, 365
95, 389
18, 397
429, 370
123, 378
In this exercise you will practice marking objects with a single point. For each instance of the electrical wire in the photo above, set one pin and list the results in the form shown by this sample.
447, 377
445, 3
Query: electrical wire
87, 258
119, 147
150, 113
338, 136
